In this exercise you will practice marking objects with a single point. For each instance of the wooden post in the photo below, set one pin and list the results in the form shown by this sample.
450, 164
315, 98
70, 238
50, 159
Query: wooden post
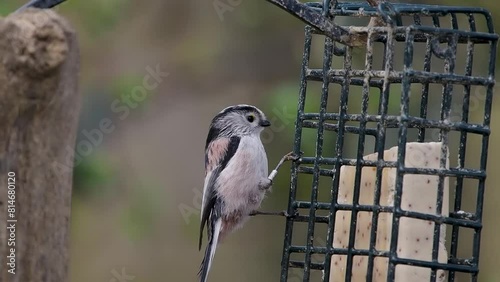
39, 108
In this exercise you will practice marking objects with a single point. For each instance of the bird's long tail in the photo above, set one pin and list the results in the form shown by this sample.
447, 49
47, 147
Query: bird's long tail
210, 252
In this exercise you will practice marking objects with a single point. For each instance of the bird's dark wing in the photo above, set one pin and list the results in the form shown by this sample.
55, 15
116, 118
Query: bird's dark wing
41, 4
217, 155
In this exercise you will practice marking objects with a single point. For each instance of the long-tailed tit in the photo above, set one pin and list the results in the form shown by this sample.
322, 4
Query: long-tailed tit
235, 175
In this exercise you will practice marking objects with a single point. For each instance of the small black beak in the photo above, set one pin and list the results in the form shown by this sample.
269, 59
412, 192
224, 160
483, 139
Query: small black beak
264, 123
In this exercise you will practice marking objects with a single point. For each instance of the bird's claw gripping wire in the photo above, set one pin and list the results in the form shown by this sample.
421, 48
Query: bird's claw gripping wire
288, 157
279, 213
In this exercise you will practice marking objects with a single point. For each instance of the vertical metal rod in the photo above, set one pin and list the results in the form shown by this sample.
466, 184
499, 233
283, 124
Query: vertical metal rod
462, 148
435, 21
449, 67
425, 89
334, 191
296, 148
359, 158
380, 147
403, 130
339, 145
361, 145
327, 62
326, 7
344, 100
484, 156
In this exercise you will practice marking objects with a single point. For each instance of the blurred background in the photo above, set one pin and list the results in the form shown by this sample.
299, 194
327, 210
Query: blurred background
137, 191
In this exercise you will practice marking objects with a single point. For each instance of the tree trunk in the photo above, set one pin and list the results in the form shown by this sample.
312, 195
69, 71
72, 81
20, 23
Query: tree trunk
39, 106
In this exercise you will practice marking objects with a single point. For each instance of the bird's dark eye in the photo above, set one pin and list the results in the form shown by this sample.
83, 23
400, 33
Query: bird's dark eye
250, 118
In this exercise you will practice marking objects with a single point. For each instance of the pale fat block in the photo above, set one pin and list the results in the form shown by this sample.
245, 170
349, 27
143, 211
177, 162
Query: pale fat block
415, 236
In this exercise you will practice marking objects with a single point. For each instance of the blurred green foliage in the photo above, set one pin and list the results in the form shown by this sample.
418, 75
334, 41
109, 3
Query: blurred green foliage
137, 218
102, 16
92, 177
122, 88
8, 7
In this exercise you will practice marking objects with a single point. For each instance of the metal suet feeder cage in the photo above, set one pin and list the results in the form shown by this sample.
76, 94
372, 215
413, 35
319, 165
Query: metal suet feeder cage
427, 66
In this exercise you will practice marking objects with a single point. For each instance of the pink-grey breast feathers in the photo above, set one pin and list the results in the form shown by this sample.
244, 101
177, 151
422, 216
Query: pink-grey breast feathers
217, 155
